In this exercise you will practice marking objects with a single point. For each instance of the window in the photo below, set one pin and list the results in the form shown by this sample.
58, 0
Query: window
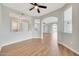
15, 24
68, 20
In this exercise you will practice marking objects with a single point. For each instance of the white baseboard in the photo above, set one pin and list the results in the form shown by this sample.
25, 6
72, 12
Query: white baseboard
16, 41
69, 48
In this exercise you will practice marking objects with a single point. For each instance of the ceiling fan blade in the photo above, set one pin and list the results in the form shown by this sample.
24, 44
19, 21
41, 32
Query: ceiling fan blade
35, 4
38, 10
32, 3
31, 8
42, 6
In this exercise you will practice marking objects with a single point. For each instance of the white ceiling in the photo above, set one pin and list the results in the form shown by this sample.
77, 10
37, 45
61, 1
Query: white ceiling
24, 7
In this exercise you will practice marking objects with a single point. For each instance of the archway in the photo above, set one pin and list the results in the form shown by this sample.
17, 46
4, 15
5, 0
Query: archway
49, 28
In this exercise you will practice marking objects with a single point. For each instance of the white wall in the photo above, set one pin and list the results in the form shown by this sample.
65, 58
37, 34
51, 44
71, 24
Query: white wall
6, 36
0, 14
9, 37
71, 40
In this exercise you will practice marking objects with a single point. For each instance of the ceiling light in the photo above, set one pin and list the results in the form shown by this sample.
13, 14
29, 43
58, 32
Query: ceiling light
36, 7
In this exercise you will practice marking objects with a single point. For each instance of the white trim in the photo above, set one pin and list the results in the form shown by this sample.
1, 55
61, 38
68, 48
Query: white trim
69, 48
16, 41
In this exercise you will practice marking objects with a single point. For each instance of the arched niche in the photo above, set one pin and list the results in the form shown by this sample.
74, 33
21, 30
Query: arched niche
50, 19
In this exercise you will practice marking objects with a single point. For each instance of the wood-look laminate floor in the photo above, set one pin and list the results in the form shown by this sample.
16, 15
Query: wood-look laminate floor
36, 47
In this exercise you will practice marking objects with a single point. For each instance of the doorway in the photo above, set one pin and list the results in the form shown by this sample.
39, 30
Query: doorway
49, 26
54, 31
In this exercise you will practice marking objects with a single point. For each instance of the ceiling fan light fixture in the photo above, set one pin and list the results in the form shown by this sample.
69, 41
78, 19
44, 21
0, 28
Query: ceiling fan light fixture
36, 7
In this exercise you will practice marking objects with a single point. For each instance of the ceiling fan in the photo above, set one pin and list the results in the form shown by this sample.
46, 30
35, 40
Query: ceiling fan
37, 6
